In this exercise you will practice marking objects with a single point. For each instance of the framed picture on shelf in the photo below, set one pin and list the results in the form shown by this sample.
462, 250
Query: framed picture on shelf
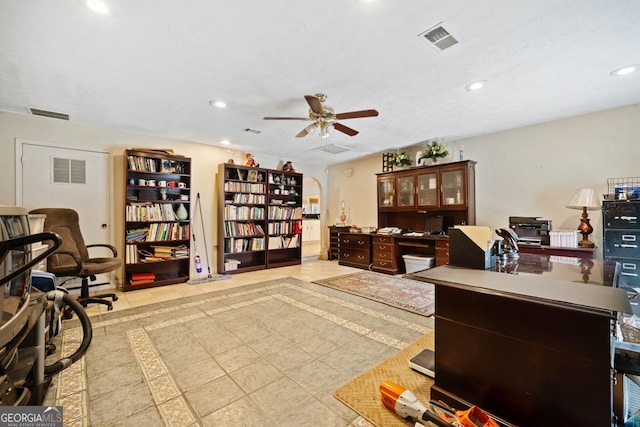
252, 176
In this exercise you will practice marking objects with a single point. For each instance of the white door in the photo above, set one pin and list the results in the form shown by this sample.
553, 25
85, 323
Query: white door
58, 177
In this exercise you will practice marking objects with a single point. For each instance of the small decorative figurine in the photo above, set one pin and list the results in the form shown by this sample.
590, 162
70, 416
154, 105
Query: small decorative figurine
250, 161
288, 167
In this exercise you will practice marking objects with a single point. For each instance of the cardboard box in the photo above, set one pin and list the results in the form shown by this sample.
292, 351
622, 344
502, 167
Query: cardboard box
471, 247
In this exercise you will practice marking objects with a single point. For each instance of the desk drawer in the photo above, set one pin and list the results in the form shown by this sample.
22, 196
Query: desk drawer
621, 215
384, 264
354, 241
382, 240
351, 255
382, 248
442, 252
622, 244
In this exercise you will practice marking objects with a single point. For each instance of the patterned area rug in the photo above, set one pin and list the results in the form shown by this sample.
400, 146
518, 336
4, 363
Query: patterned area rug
411, 295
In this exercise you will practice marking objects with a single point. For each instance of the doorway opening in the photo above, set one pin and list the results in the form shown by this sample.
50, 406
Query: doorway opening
311, 218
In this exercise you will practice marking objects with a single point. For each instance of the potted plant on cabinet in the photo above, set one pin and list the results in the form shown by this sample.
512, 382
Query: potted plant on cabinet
399, 159
434, 150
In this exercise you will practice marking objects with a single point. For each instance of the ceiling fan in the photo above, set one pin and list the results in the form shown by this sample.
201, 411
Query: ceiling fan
324, 118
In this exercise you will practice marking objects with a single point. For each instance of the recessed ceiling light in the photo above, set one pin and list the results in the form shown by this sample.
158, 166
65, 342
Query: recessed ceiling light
624, 70
475, 85
219, 104
98, 6
225, 142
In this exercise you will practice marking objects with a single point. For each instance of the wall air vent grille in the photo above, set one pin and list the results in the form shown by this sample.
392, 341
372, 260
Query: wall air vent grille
438, 37
332, 148
46, 113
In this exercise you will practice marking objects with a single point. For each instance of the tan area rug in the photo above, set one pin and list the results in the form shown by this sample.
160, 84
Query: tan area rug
362, 395
411, 295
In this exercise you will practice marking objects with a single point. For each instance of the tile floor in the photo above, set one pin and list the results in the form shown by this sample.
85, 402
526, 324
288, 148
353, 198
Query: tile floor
278, 353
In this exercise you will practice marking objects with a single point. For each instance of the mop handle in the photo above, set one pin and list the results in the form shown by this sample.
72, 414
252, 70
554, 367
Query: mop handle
204, 238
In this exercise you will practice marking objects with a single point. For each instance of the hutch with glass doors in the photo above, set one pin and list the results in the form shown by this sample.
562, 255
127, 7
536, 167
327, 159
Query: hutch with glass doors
407, 197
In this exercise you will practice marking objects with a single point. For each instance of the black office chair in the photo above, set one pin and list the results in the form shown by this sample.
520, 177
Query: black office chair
72, 258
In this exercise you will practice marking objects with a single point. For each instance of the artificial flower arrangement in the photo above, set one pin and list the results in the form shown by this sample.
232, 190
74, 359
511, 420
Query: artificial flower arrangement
400, 158
434, 151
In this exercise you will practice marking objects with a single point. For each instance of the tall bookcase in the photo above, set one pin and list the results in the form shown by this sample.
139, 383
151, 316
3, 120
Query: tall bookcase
260, 218
157, 200
284, 227
242, 219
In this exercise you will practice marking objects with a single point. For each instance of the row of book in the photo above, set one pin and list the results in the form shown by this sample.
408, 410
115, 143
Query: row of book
136, 235
168, 231
278, 212
142, 164
281, 242
285, 227
134, 254
232, 212
235, 229
245, 187
248, 198
234, 245
148, 211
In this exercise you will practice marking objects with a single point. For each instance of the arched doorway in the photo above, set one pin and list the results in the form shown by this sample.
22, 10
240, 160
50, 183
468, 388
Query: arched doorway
311, 222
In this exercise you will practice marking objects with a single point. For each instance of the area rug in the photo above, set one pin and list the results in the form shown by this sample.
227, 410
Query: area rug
362, 393
411, 295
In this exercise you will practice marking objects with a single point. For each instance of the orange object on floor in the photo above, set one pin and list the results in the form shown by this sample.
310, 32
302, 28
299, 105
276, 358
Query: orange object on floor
475, 417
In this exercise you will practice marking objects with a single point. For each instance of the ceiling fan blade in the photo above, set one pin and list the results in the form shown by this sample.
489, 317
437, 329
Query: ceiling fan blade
314, 104
344, 129
286, 118
356, 114
304, 132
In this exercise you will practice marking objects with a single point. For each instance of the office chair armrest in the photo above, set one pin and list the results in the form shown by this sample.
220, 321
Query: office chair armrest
104, 245
76, 258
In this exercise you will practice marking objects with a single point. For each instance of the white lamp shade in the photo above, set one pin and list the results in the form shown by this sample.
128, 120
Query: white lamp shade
584, 198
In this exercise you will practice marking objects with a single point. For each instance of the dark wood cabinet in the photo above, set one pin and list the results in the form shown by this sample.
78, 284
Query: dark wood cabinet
554, 371
385, 258
442, 252
334, 240
405, 197
355, 250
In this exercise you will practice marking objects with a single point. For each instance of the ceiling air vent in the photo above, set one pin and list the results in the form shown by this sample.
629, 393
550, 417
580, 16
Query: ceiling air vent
438, 37
45, 113
332, 148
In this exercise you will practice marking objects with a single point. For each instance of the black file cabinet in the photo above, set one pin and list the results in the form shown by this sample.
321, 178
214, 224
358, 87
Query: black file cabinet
622, 238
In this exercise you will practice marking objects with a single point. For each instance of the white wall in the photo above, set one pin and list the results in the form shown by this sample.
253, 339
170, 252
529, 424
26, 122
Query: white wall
205, 160
528, 171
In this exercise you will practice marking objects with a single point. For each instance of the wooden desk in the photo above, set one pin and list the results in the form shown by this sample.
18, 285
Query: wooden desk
532, 349
586, 253
388, 251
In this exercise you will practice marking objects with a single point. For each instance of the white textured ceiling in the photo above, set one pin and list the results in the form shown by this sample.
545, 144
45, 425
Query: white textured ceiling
152, 67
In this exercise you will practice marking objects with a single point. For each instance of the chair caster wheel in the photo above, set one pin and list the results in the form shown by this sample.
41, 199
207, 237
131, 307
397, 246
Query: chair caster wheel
109, 307
115, 298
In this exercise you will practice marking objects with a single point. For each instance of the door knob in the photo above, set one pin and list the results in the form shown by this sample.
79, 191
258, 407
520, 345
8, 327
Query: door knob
104, 225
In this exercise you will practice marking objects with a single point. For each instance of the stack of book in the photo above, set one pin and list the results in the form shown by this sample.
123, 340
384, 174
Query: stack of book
136, 235
142, 278
163, 251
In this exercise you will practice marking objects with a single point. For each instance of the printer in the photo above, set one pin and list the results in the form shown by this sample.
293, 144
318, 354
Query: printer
531, 231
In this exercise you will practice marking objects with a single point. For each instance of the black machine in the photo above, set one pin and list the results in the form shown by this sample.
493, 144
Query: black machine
24, 376
531, 231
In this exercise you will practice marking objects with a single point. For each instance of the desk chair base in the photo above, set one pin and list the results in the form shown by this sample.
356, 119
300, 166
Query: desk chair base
84, 299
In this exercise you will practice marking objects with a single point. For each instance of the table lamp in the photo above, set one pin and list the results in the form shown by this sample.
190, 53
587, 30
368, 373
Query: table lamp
585, 199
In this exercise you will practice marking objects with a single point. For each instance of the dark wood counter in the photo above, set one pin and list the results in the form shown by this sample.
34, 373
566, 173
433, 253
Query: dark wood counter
534, 347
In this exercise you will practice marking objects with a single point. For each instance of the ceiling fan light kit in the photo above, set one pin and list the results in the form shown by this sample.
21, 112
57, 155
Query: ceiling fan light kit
324, 118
